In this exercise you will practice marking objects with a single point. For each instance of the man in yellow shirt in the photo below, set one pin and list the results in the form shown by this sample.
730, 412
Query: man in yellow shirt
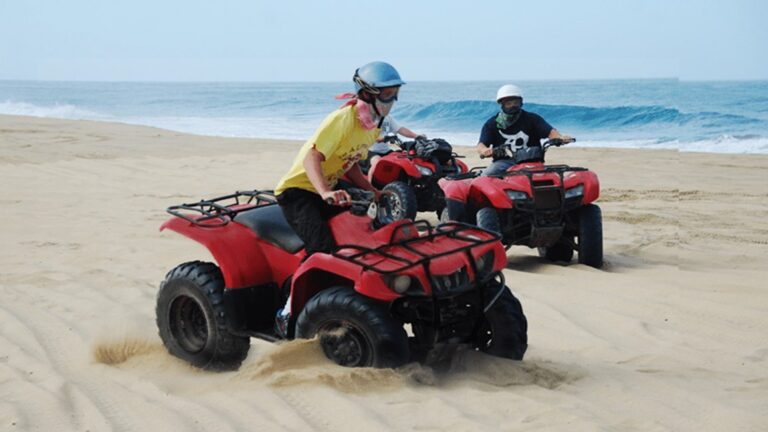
334, 150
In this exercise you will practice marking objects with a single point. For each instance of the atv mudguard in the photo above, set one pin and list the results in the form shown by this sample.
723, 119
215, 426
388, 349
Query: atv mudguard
489, 192
456, 190
589, 180
321, 271
391, 168
236, 250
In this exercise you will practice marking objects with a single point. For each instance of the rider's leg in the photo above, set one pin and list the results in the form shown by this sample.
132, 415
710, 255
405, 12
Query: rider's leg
498, 167
455, 209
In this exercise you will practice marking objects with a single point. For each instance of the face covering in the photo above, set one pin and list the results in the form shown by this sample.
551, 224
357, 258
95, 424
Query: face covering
504, 120
510, 112
384, 107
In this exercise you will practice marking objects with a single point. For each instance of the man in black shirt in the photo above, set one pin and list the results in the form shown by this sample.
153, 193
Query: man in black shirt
512, 127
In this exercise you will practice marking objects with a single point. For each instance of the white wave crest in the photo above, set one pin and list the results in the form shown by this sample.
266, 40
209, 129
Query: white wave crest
62, 111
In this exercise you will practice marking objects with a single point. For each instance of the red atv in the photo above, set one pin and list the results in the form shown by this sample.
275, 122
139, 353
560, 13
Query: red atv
445, 281
549, 207
411, 176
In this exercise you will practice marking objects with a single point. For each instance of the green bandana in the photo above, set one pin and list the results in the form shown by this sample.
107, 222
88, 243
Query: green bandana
504, 120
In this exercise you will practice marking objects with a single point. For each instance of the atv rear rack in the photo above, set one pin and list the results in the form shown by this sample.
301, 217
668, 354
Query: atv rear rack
454, 230
217, 212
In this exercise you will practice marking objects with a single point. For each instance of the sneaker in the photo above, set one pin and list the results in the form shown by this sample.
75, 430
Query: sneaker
281, 323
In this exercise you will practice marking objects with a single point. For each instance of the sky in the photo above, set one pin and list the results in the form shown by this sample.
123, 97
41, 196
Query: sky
274, 40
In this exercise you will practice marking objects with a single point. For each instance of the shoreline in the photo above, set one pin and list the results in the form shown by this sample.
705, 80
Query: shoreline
164, 131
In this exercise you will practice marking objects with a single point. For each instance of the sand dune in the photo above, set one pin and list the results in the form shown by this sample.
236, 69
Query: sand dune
669, 336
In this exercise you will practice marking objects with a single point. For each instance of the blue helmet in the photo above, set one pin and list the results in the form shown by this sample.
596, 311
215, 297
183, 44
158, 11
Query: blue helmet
376, 75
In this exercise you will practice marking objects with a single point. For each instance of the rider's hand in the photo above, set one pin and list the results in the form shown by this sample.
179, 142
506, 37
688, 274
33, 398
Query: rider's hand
486, 152
337, 197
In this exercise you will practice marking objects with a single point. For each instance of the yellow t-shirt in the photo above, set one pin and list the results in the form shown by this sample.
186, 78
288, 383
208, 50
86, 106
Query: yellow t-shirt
341, 139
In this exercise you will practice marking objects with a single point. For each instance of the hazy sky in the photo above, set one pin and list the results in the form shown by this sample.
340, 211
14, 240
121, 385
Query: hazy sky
283, 40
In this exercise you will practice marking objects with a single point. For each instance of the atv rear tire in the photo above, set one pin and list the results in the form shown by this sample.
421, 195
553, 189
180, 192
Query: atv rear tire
504, 332
400, 202
192, 321
591, 236
560, 251
488, 219
354, 330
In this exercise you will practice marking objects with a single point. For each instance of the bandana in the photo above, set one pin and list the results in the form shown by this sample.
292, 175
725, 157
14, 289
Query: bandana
504, 120
367, 118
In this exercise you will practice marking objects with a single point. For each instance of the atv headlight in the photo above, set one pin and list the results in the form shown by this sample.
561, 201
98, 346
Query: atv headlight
424, 170
484, 264
515, 195
400, 283
574, 192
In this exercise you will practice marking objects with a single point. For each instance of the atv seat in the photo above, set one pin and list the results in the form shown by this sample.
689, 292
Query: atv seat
268, 222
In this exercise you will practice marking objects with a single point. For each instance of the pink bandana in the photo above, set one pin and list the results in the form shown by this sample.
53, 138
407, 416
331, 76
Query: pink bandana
363, 110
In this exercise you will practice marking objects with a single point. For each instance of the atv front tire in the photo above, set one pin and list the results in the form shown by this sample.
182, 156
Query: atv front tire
504, 332
399, 202
192, 321
591, 236
354, 330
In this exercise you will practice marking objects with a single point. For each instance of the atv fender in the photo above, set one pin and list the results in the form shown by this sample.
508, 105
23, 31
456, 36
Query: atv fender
457, 190
392, 167
489, 192
234, 247
590, 182
321, 271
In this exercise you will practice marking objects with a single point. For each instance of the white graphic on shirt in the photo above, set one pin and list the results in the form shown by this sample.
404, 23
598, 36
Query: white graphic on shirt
518, 140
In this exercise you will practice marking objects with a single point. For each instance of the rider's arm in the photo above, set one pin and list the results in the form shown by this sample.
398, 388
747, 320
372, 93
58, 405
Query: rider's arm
404, 131
484, 150
555, 134
356, 176
314, 171
487, 134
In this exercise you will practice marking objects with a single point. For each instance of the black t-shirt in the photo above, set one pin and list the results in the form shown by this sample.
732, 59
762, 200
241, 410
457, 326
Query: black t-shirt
528, 131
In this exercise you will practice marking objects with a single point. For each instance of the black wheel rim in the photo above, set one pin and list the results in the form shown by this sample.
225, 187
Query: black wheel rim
394, 207
188, 324
345, 344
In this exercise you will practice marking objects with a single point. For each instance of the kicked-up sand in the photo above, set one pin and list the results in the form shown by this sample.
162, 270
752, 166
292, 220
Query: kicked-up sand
671, 335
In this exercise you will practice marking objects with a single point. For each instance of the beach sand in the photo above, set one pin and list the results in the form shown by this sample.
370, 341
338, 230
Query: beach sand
671, 335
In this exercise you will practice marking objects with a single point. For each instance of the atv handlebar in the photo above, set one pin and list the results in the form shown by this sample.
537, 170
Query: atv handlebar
506, 151
359, 198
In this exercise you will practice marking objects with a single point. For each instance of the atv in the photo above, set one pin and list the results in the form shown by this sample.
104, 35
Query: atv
411, 175
549, 207
445, 281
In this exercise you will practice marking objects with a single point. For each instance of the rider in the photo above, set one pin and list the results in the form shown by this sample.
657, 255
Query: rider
334, 150
512, 126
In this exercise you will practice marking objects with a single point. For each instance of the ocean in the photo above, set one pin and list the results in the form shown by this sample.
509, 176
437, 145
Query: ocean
721, 117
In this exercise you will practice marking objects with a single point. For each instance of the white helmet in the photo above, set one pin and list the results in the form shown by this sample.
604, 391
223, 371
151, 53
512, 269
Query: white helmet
509, 90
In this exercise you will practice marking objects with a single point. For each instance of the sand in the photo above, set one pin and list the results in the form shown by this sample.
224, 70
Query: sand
671, 335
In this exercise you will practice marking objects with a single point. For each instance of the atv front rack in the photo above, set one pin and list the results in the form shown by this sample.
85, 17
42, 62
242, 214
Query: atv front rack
530, 172
362, 256
217, 212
